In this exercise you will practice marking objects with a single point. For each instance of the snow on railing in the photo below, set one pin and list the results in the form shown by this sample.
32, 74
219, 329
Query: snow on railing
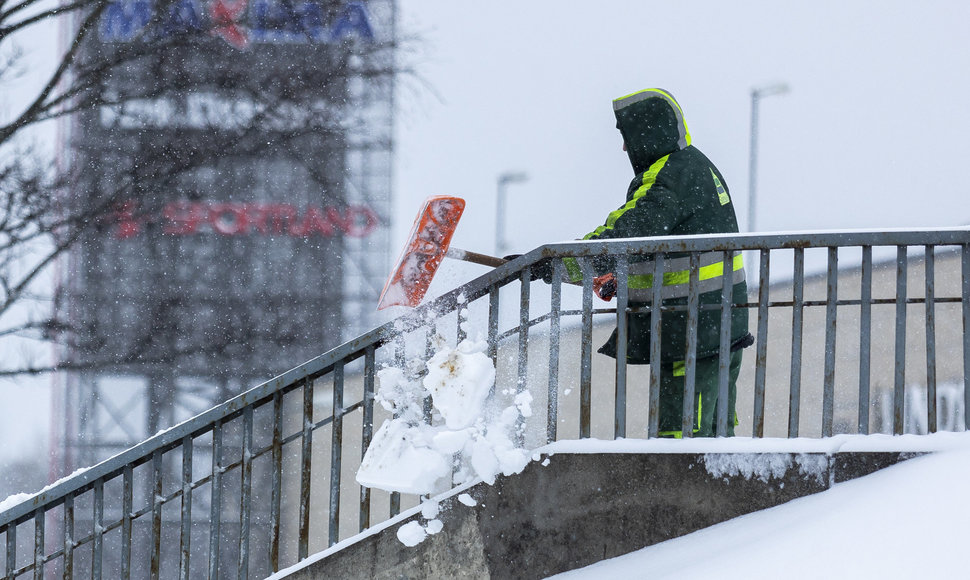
268, 477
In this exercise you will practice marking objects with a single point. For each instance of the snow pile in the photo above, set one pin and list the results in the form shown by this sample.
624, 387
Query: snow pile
474, 433
765, 466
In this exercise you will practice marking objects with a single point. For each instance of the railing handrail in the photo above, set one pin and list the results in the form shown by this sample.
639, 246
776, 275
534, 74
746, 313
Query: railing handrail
355, 348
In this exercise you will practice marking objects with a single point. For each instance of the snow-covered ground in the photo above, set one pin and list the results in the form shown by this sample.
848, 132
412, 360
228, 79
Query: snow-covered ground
907, 521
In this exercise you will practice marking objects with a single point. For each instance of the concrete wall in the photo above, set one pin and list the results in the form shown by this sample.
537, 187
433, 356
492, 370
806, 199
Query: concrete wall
580, 509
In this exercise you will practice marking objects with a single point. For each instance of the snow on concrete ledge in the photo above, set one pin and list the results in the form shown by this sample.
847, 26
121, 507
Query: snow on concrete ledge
830, 445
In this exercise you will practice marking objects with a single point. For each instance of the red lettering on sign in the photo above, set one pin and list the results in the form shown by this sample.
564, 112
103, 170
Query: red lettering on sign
182, 218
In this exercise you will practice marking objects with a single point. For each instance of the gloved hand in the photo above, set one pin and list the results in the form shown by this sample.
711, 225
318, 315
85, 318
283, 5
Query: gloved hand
605, 286
541, 270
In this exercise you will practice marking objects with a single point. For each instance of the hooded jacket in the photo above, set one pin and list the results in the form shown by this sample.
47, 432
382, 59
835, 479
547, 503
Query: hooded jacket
677, 191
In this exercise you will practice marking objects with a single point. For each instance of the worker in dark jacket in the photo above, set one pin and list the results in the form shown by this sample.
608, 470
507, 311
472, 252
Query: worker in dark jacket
677, 191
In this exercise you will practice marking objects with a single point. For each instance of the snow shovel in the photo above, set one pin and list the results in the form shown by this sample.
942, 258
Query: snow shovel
427, 245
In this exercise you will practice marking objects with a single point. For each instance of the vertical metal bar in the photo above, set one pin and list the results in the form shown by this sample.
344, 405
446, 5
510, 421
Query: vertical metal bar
555, 322
156, 502
185, 535
336, 452
724, 349
586, 352
400, 356
305, 463
619, 400
656, 318
276, 499
761, 358
460, 333
929, 272
865, 339
11, 563
367, 430
689, 416
127, 491
522, 375
245, 492
429, 348
899, 378
493, 311
215, 507
69, 537
39, 543
97, 549
966, 335
798, 305
831, 313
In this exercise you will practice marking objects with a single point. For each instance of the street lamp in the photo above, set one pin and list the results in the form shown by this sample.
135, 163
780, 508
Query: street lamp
757, 94
503, 182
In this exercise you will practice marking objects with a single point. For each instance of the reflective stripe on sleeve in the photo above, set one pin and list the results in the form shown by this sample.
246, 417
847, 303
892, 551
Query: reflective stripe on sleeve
676, 281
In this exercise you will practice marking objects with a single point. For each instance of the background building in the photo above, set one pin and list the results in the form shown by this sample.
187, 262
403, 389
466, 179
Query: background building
245, 152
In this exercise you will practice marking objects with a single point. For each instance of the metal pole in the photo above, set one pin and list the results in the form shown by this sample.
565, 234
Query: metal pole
757, 94
503, 181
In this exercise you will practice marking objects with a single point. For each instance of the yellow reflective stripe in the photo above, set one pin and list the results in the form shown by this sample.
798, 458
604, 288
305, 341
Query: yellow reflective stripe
649, 178
573, 271
674, 434
722, 194
714, 270
679, 368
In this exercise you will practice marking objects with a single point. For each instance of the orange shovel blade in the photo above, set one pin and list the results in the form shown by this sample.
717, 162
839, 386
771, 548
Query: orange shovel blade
425, 248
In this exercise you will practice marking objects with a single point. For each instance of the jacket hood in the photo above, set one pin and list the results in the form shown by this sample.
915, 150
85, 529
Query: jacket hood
652, 125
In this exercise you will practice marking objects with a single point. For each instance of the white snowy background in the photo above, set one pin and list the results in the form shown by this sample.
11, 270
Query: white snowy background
872, 134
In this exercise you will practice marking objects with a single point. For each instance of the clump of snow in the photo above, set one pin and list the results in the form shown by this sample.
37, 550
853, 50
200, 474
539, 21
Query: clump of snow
411, 534
14, 500
748, 465
467, 500
19, 498
459, 381
815, 466
474, 433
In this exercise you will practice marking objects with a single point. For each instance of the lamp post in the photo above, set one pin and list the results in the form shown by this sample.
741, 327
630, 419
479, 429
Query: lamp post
503, 182
757, 94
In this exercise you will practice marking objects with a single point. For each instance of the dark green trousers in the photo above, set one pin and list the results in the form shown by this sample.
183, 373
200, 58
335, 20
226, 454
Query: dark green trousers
672, 377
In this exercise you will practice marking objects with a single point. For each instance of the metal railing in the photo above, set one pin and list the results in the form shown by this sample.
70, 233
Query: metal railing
267, 478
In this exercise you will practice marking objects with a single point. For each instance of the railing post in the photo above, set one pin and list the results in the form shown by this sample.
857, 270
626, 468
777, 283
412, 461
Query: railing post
156, 503
245, 492
798, 305
929, 274
724, 348
619, 400
493, 312
656, 317
336, 452
522, 374
690, 418
865, 339
215, 507
965, 302
367, 429
185, 533
69, 537
899, 378
306, 454
276, 499
586, 351
761, 358
831, 313
39, 544
555, 310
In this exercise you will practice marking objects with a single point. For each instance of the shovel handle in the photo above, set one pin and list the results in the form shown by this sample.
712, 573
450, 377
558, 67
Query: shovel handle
474, 257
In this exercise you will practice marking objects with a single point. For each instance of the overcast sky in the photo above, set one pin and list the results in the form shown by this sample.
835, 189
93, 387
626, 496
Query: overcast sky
872, 134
